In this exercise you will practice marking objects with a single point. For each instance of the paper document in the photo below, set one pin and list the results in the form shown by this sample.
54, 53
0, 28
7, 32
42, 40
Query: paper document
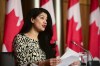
67, 61
69, 57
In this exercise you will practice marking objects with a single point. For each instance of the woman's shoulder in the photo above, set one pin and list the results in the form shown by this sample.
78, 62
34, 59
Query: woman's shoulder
19, 36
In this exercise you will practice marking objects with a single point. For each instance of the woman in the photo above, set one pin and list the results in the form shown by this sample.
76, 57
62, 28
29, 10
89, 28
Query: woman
32, 44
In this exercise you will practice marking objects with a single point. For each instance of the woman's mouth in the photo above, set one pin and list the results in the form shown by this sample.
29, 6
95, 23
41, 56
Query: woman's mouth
44, 26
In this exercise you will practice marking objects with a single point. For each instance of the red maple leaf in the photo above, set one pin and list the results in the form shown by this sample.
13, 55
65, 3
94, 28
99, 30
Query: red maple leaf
94, 40
43, 2
10, 29
74, 35
72, 2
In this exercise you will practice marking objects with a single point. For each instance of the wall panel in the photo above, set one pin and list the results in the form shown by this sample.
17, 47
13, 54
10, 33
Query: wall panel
2, 16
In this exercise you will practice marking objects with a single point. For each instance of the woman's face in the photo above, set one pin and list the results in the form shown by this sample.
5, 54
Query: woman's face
40, 22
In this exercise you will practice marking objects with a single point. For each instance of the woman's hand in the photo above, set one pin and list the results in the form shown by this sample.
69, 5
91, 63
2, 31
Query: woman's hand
76, 63
54, 61
49, 62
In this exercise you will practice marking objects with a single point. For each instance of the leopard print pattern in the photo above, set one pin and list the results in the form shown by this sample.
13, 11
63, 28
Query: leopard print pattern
27, 50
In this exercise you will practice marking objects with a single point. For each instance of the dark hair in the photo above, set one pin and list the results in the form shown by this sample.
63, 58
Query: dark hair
44, 36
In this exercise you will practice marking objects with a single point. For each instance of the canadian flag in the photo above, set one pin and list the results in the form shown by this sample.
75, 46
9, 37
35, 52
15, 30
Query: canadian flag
48, 5
13, 23
94, 31
74, 30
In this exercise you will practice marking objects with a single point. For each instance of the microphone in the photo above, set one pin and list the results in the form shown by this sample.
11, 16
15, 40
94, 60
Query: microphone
89, 63
73, 42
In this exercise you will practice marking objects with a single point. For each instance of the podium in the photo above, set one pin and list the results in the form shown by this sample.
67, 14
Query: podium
7, 59
93, 63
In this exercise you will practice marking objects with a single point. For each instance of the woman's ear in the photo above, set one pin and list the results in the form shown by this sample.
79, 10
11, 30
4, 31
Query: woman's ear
32, 20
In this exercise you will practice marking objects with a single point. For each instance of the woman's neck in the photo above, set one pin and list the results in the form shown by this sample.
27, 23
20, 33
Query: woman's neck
33, 34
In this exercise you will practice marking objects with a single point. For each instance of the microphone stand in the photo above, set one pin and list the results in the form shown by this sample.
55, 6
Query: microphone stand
88, 53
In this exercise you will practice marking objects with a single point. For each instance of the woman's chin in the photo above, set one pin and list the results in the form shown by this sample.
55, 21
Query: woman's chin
42, 30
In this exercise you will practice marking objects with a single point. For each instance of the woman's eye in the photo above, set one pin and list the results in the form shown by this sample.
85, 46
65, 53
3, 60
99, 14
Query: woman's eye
42, 17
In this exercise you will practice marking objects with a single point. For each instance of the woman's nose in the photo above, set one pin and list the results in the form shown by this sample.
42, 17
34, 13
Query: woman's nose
45, 22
